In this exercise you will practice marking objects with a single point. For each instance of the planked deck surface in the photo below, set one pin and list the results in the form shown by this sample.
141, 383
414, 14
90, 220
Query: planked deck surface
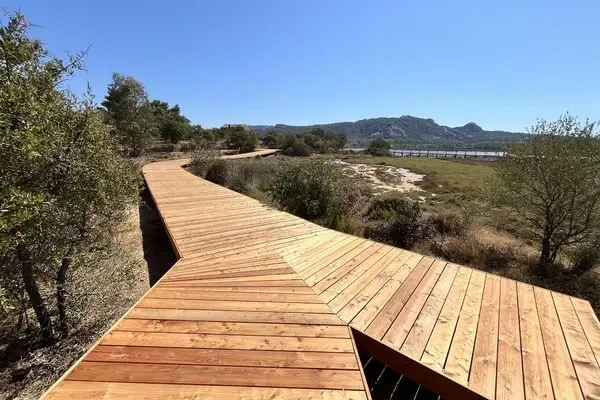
260, 305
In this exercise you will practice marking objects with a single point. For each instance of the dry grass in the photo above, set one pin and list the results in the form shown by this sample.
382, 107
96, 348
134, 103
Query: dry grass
98, 299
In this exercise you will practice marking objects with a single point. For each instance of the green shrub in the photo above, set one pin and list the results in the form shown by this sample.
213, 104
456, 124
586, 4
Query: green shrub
187, 146
298, 149
450, 223
163, 148
456, 249
310, 188
379, 147
396, 221
242, 140
201, 161
217, 172
586, 257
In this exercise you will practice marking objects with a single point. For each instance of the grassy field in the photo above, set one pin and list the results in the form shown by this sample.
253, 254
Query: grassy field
453, 183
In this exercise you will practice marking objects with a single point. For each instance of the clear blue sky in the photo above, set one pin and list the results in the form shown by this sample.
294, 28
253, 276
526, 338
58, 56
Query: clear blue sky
502, 64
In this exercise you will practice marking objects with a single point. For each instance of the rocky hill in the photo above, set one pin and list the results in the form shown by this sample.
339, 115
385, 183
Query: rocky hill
401, 128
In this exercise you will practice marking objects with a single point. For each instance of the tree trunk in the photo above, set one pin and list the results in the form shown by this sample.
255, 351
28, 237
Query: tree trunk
545, 257
61, 292
35, 298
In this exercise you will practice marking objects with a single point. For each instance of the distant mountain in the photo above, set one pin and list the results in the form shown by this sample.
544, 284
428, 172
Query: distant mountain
405, 127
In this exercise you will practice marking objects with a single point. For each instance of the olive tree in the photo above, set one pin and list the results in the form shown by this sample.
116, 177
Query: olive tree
551, 180
63, 183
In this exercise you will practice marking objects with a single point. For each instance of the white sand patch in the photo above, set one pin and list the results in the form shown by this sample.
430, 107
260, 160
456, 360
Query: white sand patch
395, 179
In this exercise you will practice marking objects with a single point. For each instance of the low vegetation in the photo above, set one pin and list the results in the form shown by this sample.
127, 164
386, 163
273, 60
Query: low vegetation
316, 140
457, 213
379, 147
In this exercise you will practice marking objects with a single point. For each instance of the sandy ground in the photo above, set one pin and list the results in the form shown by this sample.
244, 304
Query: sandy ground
384, 178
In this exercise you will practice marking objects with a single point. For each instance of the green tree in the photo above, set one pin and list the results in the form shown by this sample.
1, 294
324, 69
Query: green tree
551, 181
298, 149
171, 125
242, 140
379, 147
271, 140
130, 112
63, 183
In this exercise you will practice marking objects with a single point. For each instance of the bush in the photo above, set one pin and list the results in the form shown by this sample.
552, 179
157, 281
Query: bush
449, 223
311, 188
271, 140
217, 172
586, 257
298, 149
187, 146
455, 249
242, 140
163, 148
379, 147
201, 161
396, 221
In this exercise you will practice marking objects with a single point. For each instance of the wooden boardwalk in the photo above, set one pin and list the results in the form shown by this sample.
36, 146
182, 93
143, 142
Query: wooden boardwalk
261, 305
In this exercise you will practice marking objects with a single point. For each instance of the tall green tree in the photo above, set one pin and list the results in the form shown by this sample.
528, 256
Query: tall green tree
241, 139
552, 182
172, 126
130, 113
63, 183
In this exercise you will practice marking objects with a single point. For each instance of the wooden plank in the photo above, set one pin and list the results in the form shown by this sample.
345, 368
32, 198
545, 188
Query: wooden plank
175, 293
350, 291
345, 281
217, 375
245, 273
379, 300
228, 271
386, 317
289, 277
437, 348
232, 328
562, 373
398, 330
224, 357
589, 322
235, 305
361, 298
325, 270
485, 352
244, 289
320, 263
342, 243
509, 380
536, 376
122, 391
458, 363
239, 284
234, 316
419, 334
580, 351
218, 341
345, 269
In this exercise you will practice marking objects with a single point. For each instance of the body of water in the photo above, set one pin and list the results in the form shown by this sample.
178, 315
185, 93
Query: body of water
441, 153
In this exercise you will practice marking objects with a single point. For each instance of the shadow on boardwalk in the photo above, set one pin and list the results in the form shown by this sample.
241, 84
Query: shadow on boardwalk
158, 252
